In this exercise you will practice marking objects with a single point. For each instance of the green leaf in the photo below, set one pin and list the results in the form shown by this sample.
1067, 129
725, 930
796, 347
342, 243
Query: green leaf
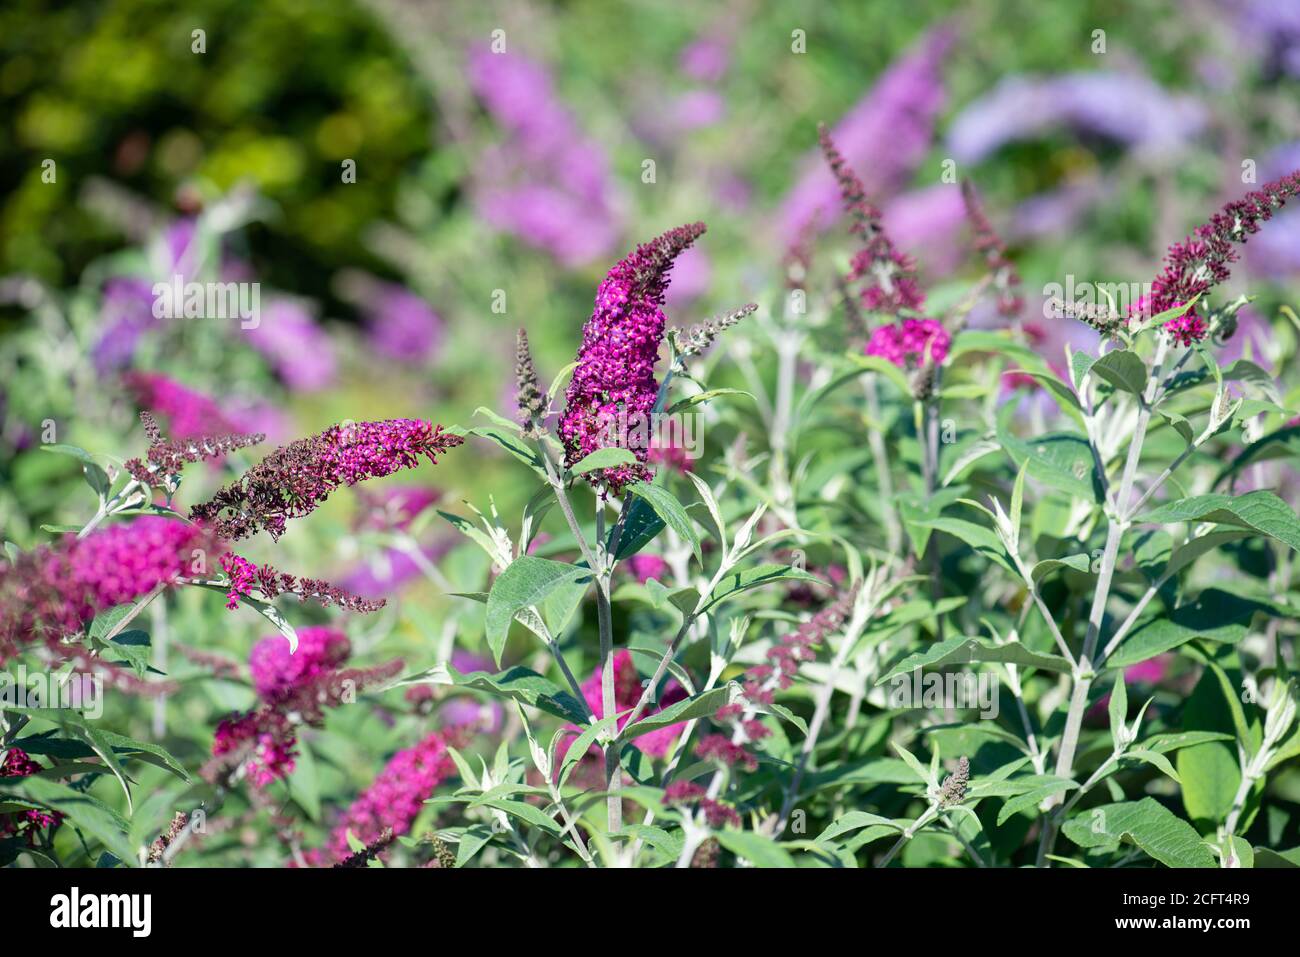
1031, 799
513, 444
86, 813
1262, 511
691, 401
671, 512
1123, 369
1118, 711
960, 650
1209, 771
1155, 760
1079, 563
1080, 365
583, 744
527, 813
1150, 825
134, 646
1018, 499
604, 459
885, 368
519, 684
759, 850
1282, 443
1185, 554
983, 540
1180, 425
1059, 460
700, 706
919, 769
1264, 857
1214, 616
1243, 370
74, 451
756, 577
853, 821
529, 581
1061, 390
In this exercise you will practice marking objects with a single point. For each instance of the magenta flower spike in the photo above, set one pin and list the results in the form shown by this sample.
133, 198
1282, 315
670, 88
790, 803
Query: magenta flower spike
293, 480
394, 799
53, 591
1203, 260
614, 387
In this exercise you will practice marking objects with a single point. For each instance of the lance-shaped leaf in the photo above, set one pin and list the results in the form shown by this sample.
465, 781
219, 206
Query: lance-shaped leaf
1147, 823
700, 706
671, 512
960, 650
756, 577
532, 581
1214, 616
518, 683
1262, 511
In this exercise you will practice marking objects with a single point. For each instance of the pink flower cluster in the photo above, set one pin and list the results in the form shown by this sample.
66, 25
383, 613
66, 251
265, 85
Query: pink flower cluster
1196, 265
912, 342
613, 388
294, 690
246, 577
394, 799
278, 673
51, 592
264, 745
401, 325
690, 794
18, 764
645, 567
292, 481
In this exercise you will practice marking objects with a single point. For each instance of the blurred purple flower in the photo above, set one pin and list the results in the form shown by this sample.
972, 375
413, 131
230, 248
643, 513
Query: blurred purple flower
692, 273
1128, 108
464, 710
1272, 29
401, 325
1275, 252
706, 59
926, 220
696, 109
1253, 335
884, 136
387, 571
295, 345
1054, 212
548, 184
126, 312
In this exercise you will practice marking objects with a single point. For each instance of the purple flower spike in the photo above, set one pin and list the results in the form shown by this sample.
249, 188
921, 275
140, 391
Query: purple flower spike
613, 388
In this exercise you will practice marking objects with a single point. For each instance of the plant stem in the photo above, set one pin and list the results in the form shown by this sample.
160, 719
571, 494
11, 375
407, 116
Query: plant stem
1117, 524
604, 617
880, 458
930, 814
